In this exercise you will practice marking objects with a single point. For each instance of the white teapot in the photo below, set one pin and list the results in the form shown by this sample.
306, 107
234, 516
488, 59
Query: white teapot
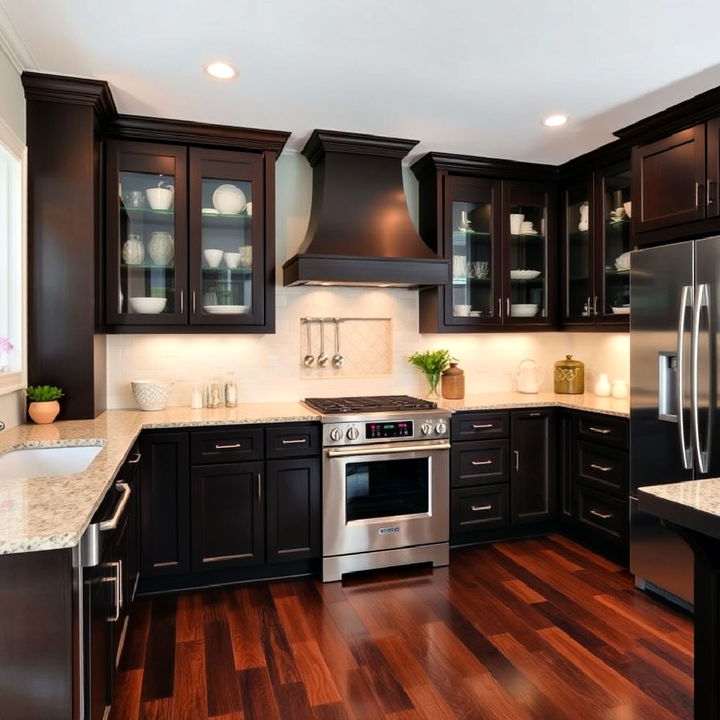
529, 377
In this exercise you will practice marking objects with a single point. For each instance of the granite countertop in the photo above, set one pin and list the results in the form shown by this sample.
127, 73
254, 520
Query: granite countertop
694, 504
53, 512
513, 400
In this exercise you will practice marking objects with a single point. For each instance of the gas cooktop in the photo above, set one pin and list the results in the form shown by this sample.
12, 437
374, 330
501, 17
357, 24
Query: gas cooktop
379, 403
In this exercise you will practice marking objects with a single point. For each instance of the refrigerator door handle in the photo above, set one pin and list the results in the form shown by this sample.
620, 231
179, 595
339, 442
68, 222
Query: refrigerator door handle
703, 301
685, 447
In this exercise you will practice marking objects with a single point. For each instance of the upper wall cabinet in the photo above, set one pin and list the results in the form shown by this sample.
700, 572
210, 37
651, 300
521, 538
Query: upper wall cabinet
494, 219
190, 244
596, 237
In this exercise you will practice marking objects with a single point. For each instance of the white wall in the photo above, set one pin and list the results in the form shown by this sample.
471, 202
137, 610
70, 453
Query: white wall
268, 366
12, 110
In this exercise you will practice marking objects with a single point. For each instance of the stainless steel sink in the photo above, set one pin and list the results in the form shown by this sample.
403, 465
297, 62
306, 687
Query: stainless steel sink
37, 462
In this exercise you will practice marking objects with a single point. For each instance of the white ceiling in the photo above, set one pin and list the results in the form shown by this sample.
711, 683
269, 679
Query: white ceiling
468, 76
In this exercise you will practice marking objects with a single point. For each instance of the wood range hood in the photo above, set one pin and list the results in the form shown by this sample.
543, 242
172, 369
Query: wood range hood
360, 232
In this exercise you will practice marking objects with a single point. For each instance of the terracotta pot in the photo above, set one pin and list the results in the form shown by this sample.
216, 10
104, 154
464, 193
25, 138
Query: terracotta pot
44, 412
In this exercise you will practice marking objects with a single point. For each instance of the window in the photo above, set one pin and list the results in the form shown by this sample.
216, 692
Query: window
12, 261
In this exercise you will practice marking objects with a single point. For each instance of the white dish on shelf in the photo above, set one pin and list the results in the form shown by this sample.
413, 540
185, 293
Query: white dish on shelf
147, 305
210, 211
623, 310
528, 232
226, 309
524, 310
524, 274
228, 199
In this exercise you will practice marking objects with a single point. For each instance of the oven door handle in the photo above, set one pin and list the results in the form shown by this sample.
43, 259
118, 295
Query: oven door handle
387, 450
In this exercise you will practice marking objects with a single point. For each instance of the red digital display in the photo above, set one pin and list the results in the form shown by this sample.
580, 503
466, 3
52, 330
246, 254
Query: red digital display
380, 431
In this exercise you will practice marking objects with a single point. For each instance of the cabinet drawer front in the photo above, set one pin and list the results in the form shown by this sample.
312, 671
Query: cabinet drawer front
478, 426
606, 516
292, 440
605, 469
228, 445
481, 508
604, 429
479, 463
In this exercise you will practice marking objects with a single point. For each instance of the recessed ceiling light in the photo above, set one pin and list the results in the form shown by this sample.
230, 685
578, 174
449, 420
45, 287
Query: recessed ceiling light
555, 120
221, 70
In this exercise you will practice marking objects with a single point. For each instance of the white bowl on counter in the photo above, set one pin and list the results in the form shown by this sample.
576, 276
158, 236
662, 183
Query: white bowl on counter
147, 305
151, 394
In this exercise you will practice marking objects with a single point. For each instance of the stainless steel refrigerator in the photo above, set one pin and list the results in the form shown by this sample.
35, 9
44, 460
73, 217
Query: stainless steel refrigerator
675, 309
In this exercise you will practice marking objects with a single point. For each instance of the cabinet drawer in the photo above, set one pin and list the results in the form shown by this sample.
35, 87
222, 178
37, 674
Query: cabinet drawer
479, 426
604, 429
227, 445
479, 463
604, 469
479, 508
294, 440
604, 515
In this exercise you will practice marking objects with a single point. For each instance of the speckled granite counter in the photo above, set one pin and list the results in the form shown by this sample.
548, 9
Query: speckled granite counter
694, 504
515, 400
53, 512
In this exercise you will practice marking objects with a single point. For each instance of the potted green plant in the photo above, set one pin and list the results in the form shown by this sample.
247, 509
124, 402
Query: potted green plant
44, 406
431, 363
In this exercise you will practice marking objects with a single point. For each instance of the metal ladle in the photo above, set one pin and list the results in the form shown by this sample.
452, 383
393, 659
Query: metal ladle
323, 359
338, 359
309, 359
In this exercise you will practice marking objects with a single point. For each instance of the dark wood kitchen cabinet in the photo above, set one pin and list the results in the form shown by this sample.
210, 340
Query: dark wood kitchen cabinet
495, 221
532, 466
165, 503
596, 235
173, 259
227, 524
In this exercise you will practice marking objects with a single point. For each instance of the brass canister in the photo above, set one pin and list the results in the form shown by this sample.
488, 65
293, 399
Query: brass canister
453, 383
569, 376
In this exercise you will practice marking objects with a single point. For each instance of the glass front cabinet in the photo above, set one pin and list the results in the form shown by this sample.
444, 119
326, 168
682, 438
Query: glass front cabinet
186, 239
499, 236
596, 246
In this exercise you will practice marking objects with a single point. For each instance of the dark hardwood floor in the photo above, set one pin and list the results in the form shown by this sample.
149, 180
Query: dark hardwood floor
527, 630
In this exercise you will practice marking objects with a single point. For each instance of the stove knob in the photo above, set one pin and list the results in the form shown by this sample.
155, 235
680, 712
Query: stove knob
441, 428
335, 434
353, 433
426, 428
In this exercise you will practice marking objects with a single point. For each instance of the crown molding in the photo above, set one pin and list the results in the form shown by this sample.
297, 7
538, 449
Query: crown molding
12, 44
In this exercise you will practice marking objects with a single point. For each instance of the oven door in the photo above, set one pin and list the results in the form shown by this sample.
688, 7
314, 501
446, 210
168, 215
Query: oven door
380, 497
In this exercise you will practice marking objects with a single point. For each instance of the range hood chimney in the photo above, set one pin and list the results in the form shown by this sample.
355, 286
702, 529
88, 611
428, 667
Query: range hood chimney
360, 232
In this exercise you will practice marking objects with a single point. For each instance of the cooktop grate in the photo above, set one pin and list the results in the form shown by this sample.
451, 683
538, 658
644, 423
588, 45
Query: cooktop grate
378, 403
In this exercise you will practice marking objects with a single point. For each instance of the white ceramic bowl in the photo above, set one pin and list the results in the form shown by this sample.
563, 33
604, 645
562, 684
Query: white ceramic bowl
160, 198
461, 310
232, 259
524, 310
213, 257
622, 262
147, 305
628, 208
151, 394
524, 274
228, 199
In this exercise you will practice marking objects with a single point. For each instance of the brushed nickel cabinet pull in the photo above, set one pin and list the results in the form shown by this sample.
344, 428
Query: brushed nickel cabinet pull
602, 468
710, 192
602, 431
483, 427
595, 312
697, 194
500, 307
602, 516
193, 302
300, 441
517, 459
481, 462
588, 305
135, 460
259, 486
480, 508
227, 447
507, 307
182, 302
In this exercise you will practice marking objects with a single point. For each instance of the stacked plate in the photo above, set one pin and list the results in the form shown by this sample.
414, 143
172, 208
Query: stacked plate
524, 310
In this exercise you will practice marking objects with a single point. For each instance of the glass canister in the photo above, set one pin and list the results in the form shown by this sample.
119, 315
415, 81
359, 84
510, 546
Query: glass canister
453, 382
569, 376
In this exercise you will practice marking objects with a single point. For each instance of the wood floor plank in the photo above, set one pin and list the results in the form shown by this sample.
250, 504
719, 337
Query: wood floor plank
315, 674
525, 593
190, 617
159, 663
126, 703
257, 695
292, 701
243, 621
133, 657
223, 695
190, 698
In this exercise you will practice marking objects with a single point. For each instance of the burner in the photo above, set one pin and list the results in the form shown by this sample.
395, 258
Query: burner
380, 403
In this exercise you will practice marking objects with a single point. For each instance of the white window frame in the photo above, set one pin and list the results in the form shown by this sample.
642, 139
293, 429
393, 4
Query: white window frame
11, 382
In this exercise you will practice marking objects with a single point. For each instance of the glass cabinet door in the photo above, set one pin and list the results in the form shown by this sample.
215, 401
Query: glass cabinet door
226, 224
578, 291
528, 268
614, 261
472, 249
146, 234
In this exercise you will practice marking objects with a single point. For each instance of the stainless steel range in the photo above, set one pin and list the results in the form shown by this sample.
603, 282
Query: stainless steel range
386, 474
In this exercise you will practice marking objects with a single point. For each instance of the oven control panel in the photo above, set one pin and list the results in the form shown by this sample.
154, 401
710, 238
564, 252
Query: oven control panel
428, 425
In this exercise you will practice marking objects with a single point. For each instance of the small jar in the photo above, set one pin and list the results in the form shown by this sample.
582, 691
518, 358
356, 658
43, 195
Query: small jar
602, 386
196, 398
620, 389
230, 391
453, 383
569, 376
212, 394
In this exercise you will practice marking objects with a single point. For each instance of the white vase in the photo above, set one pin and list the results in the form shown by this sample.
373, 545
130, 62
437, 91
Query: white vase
161, 248
620, 389
602, 386
133, 250
584, 223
